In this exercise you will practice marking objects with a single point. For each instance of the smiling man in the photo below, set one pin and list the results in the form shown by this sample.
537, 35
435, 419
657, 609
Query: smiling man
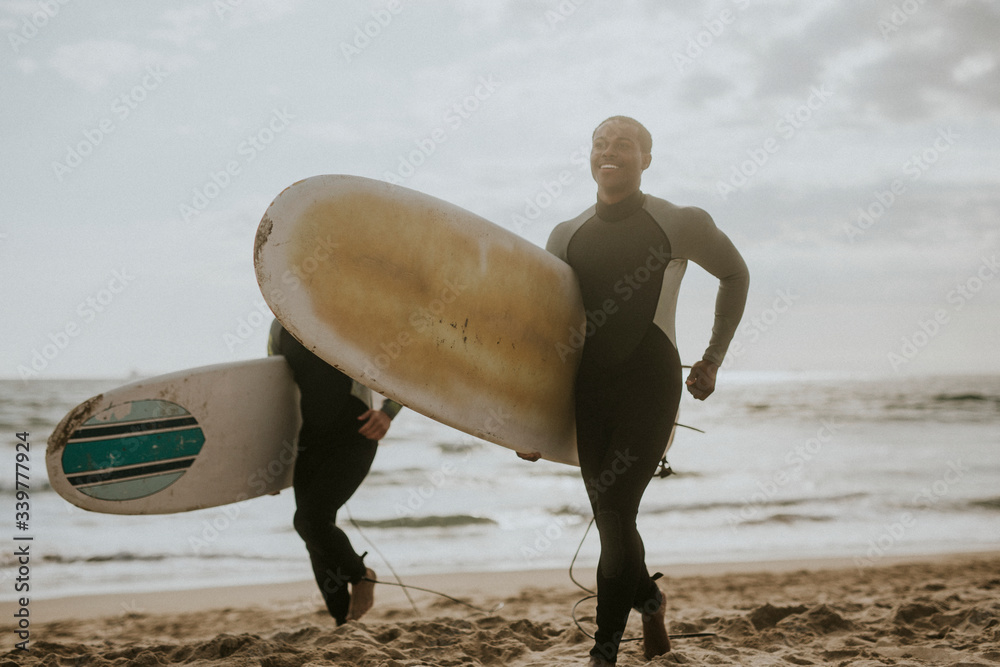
629, 253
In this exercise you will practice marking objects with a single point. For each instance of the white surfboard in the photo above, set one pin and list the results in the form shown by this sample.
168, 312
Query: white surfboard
184, 441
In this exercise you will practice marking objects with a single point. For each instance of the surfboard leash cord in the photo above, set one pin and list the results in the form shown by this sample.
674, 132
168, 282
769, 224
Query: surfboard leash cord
591, 595
495, 609
357, 527
406, 587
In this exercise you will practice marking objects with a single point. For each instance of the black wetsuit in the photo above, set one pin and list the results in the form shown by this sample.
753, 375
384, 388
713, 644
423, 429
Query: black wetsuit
629, 259
333, 459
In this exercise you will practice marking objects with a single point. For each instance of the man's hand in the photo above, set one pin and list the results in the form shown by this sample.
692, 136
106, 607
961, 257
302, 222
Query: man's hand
376, 424
701, 379
532, 456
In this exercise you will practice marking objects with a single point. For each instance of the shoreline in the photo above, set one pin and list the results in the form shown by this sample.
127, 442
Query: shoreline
186, 600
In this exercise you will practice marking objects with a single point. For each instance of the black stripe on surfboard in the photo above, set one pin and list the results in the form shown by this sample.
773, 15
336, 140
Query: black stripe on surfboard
131, 428
122, 474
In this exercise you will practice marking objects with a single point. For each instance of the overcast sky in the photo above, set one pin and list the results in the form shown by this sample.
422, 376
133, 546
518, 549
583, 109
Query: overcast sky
851, 151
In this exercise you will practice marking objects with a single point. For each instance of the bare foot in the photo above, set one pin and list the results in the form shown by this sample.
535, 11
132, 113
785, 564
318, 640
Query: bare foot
598, 661
655, 640
362, 596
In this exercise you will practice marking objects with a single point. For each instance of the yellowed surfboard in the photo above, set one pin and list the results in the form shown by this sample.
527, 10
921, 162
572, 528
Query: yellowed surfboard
430, 305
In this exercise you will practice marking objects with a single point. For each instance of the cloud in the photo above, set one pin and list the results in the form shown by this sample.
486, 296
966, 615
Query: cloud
242, 13
180, 26
906, 62
93, 64
184, 26
356, 132
20, 7
699, 89
801, 52
26, 66
939, 64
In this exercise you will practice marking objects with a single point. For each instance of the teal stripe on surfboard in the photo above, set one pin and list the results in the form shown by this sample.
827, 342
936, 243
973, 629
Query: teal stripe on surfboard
123, 459
101, 455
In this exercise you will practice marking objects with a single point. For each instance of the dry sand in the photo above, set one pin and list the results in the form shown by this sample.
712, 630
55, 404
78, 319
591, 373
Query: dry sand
927, 611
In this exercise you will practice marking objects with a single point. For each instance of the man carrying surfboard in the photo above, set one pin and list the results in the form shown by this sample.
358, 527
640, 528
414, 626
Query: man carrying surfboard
334, 457
629, 253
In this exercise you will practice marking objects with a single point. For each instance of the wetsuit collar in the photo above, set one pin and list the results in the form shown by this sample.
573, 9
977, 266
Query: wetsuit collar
621, 210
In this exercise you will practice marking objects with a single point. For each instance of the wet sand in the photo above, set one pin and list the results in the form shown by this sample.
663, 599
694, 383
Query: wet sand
940, 610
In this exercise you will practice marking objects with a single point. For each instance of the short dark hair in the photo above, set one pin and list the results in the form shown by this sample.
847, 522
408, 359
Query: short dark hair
645, 138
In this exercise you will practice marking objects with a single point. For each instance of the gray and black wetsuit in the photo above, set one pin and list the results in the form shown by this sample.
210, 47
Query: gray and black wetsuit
629, 259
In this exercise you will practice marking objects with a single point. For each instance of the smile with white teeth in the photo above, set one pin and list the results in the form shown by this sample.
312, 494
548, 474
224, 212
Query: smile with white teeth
609, 166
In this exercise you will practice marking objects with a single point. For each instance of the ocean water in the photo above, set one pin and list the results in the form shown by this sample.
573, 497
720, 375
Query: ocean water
789, 466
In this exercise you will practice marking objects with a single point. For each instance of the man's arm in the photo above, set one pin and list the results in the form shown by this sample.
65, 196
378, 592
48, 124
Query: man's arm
701, 241
706, 245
